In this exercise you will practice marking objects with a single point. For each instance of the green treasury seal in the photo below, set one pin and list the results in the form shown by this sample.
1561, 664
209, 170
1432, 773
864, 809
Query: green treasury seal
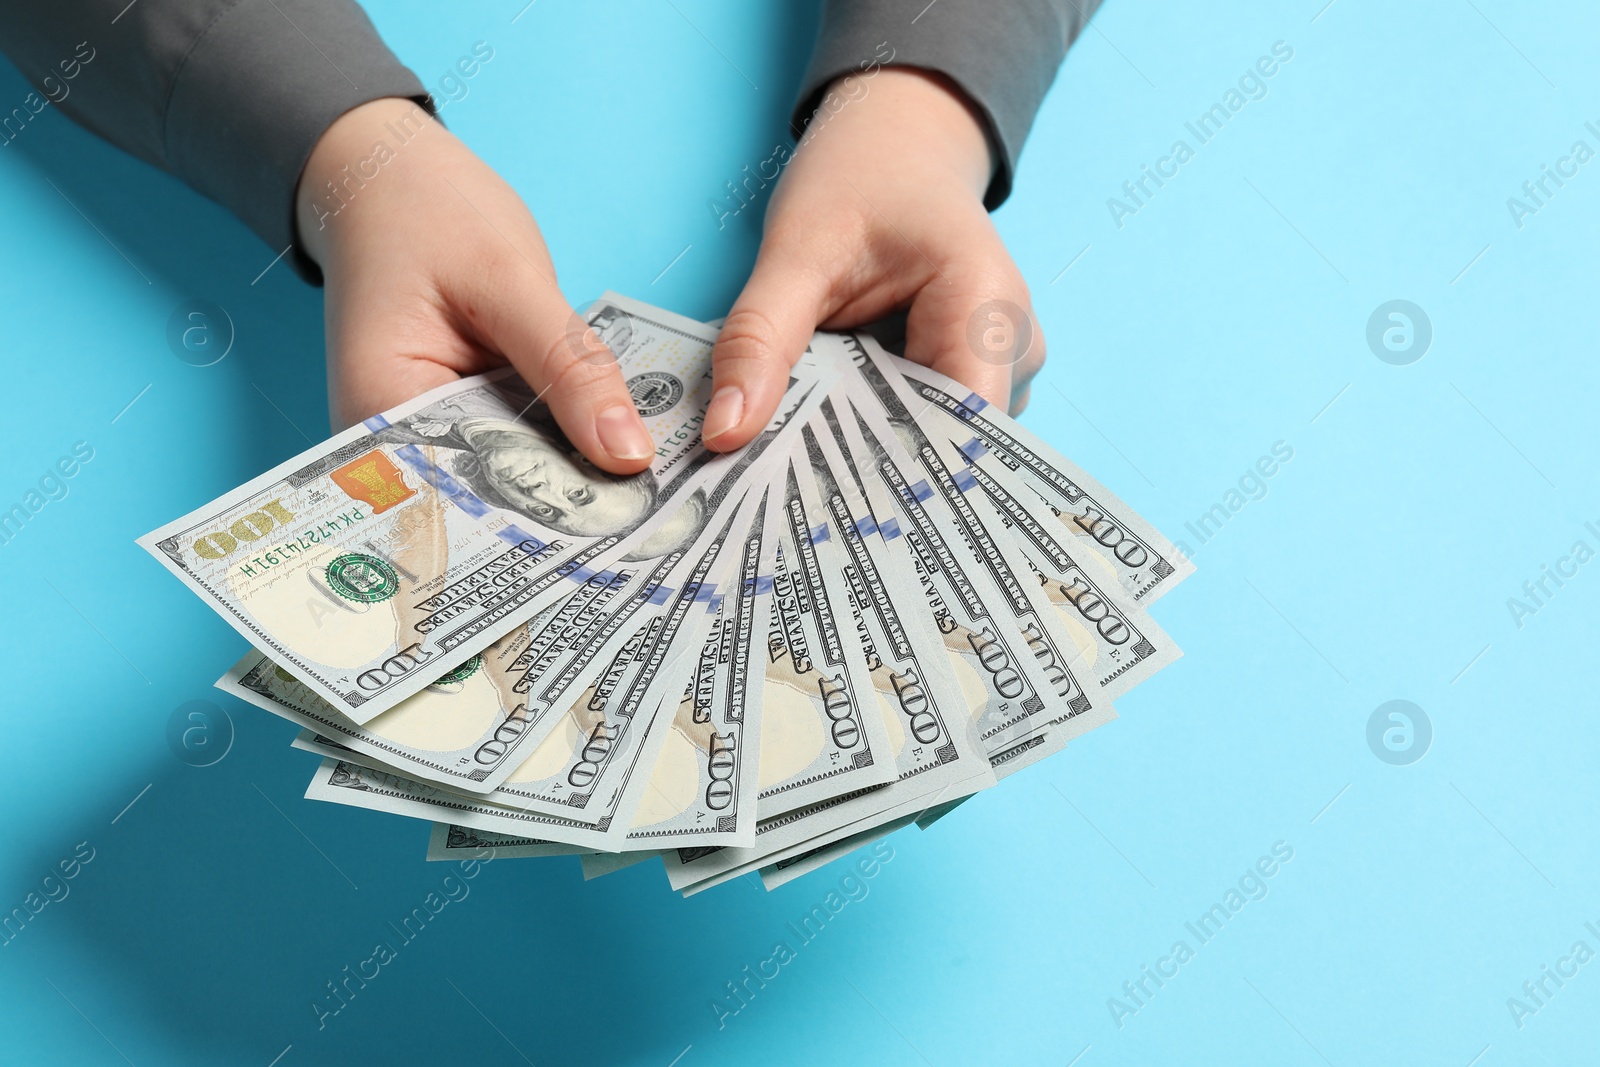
461, 673
362, 578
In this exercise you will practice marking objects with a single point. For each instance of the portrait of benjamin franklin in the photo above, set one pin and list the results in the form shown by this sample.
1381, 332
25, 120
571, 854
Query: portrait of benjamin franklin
527, 465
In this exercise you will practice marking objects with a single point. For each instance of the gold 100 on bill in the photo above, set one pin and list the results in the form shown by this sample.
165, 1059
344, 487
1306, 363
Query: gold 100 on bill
377, 561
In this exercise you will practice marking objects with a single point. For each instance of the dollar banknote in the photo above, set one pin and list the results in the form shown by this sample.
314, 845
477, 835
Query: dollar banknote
823, 732
925, 710
1122, 646
1144, 561
1013, 636
704, 782
780, 874
746, 664
583, 785
923, 699
378, 561
472, 728
462, 843
946, 526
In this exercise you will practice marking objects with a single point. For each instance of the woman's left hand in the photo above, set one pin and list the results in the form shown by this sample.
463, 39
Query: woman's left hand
880, 208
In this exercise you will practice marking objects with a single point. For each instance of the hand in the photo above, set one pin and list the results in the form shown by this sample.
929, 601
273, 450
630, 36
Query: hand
880, 207
435, 270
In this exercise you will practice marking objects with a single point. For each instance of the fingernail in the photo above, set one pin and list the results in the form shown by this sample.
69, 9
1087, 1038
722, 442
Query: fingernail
622, 433
724, 412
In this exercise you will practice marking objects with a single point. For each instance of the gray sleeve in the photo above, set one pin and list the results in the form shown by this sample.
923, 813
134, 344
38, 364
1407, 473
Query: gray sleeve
228, 95
1002, 53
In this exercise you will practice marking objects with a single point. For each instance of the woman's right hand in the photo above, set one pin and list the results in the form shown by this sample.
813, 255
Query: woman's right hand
435, 270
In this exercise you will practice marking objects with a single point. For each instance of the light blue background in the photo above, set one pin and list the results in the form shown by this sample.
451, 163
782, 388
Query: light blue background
1224, 317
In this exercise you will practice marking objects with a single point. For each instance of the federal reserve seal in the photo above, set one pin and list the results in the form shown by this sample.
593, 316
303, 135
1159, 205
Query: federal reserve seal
655, 392
362, 578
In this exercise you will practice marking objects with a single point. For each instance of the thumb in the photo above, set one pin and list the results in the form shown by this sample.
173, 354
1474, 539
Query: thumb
765, 334
570, 369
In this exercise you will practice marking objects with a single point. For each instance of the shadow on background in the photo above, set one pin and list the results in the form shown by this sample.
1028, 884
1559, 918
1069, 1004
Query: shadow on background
220, 905
159, 230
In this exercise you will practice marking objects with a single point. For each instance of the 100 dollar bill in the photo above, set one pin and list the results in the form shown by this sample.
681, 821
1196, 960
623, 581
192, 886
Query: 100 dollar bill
926, 711
471, 729
702, 788
1014, 636
583, 785
371, 565
1122, 645
824, 733
1145, 562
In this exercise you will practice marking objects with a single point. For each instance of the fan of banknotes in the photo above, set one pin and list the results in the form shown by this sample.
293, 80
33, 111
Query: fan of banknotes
758, 661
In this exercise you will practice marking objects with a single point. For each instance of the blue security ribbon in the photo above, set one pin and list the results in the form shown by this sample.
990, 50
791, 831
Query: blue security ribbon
458, 494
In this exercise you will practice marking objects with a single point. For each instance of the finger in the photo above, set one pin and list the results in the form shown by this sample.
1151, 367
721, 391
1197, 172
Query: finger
570, 369
978, 328
765, 334
1019, 401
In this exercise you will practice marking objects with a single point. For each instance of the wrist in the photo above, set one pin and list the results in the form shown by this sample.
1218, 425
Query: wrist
352, 154
911, 110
